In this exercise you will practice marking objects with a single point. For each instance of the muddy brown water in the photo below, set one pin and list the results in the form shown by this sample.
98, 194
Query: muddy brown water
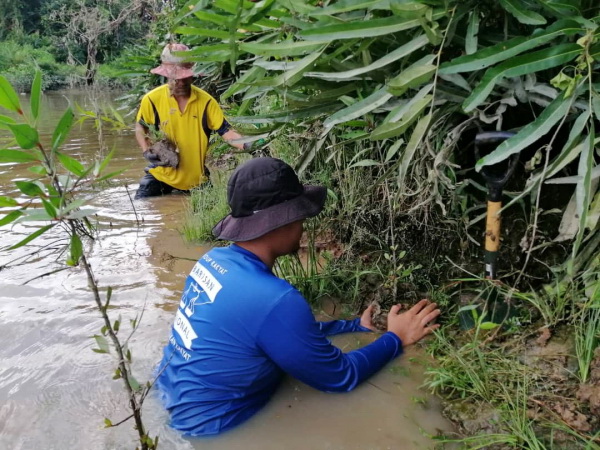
55, 392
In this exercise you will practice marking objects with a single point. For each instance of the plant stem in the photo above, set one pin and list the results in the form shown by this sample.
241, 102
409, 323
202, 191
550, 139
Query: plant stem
135, 407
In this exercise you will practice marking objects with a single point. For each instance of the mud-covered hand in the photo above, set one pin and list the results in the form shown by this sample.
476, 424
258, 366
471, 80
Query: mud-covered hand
366, 319
413, 325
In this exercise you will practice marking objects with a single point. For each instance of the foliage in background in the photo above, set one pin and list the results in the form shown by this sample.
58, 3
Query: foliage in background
52, 199
79, 34
367, 90
19, 59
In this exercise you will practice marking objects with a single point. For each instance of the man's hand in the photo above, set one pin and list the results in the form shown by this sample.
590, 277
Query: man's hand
141, 137
366, 319
416, 323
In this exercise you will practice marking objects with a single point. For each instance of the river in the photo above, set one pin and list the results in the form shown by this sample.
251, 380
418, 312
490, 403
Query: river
55, 391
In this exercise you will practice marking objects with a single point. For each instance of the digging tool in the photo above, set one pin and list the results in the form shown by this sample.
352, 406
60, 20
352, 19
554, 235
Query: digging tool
495, 181
495, 177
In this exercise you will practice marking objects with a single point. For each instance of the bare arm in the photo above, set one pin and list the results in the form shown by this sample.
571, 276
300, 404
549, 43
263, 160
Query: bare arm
141, 136
231, 136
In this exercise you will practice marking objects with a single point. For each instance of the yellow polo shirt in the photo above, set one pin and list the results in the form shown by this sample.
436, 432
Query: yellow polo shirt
189, 130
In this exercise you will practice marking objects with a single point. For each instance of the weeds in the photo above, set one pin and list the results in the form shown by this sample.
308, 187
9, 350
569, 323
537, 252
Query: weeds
587, 338
208, 205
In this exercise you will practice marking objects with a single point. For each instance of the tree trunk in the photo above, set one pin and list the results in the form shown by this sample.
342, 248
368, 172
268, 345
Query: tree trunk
91, 65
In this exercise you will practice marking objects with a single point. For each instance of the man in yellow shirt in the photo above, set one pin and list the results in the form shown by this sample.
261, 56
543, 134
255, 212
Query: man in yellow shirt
186, 115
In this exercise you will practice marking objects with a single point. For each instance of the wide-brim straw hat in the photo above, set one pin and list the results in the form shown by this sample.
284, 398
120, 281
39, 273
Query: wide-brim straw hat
174, 67
265, 194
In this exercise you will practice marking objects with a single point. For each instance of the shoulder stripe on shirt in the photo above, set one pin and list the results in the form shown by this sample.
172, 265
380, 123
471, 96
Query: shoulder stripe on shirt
205, 126
156, 115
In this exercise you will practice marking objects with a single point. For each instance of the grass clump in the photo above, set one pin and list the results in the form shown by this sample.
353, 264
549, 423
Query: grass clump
207, 205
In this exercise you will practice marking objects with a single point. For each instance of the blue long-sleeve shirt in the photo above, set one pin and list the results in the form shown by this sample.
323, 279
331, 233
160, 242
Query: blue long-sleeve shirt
238, 329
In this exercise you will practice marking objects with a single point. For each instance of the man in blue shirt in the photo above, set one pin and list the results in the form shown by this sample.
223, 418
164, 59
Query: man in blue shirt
239, 328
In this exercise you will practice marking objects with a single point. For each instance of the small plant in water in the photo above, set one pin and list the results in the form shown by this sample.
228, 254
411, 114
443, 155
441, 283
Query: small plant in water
53, 197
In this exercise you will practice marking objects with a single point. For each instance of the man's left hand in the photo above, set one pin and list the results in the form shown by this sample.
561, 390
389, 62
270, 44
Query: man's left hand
366, 319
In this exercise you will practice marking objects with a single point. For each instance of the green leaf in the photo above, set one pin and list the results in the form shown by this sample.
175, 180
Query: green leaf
413, 76
29, 188
105, 162
71, 164
206, 32
291, 77
36, 93
243, 82
102, 343
282, 49
468, 308
220, 56
364, 163
26, 136
504, 50
133, 383
432, 31
81, 213
38, 170
343, 6
488, 325
397, 54
397, 113
520, 65
110, 175
593, 215
392, 129
411, 147
208, 16
50, 209
393, 150
528, 134
7, 201
32, 236
76, 249
71, 206
359, 109
8, 97
108, 297
10, 217
583, 190
596, 105
570, 150
297, 6
287, 115
4, 121
359, 29
521, 12
409, 10
472, 31
36, 215
62, 129
18, 156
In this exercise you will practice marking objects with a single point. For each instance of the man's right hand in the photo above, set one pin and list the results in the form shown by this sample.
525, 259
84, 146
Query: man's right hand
416, 323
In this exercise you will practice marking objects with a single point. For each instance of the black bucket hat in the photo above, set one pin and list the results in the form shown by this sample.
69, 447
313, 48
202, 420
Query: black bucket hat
265, 194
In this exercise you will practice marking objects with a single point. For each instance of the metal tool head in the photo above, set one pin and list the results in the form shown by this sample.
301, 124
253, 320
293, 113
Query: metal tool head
496, 175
